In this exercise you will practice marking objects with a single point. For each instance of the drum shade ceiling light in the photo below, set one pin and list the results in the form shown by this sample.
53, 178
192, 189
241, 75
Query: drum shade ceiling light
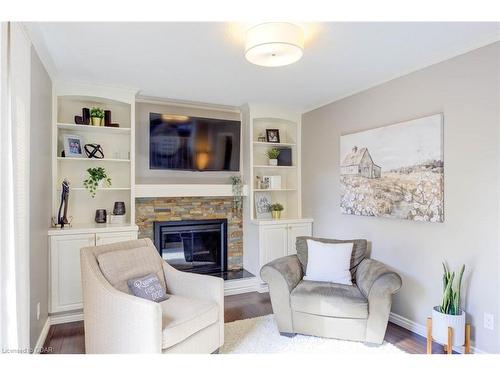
274, 44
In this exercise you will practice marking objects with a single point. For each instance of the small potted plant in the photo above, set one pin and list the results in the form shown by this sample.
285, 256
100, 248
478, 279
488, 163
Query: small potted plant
449, 314
273, 154
97, 179
96, 115
276, 209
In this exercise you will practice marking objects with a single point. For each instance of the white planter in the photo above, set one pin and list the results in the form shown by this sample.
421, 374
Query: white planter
440, 324
273, 162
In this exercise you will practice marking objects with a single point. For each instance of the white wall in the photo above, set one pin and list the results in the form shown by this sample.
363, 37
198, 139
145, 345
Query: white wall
466, 90
40, 190
144, 175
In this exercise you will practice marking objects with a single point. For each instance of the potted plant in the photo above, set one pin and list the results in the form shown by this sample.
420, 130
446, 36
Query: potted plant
96, 115
273, 154
276, 209
97, 178
449, 314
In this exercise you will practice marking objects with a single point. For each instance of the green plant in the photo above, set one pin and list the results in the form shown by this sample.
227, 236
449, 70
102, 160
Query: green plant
451, 296
96, 175
276, 207
273, 153
97, 112
237, 186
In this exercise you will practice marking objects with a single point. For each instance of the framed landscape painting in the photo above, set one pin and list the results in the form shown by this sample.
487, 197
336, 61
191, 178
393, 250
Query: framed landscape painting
395, 171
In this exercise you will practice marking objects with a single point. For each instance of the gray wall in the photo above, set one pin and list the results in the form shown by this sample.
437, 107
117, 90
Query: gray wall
144, 175
40, 207
466, 90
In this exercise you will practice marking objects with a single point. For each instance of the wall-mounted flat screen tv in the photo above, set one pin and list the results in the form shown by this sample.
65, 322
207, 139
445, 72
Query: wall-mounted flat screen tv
178, 142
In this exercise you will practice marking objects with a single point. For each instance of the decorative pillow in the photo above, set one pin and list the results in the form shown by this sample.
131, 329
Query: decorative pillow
148, 287
329, 262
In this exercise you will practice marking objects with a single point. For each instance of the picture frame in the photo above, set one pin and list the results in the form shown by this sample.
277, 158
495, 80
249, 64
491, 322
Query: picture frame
273, 135
73, 146
262, 201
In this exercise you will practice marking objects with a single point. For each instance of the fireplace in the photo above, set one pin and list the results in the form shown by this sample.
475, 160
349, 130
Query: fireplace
193, 245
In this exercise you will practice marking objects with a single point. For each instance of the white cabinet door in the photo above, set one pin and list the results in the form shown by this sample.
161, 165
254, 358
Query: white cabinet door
297, 230
274, 242
65, 275
112, 237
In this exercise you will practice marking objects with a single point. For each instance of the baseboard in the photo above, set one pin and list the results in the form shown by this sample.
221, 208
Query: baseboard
43, 335
240, 286
66, 318
421, 330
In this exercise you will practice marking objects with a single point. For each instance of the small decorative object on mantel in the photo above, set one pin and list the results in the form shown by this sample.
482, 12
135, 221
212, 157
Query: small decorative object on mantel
273, 135
72, 146
447, 325
273, 154
97, 178
62, 215
119, 208
276, 209
96, 115
237, 186
93, 151
100, 216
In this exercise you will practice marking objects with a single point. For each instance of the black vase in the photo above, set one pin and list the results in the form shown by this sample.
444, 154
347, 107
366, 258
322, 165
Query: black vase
107, 118
119, 208
100, 216
86, 116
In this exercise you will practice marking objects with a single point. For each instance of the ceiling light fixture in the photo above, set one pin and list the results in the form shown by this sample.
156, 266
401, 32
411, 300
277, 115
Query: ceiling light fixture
274, 44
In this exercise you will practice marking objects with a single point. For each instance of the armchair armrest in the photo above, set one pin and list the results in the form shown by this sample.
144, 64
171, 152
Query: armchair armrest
282, 275
377, 283
197, 286
116, 322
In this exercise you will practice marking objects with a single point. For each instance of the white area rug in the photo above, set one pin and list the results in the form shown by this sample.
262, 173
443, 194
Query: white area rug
260, 335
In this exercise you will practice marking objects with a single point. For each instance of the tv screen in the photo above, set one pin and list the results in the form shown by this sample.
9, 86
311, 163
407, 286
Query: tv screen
193, 143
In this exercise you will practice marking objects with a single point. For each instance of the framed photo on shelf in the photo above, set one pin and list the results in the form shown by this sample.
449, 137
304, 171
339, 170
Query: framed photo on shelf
273, 135
262, 202
73, 146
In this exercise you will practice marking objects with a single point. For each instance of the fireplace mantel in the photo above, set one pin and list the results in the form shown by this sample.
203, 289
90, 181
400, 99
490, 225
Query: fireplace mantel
185, 190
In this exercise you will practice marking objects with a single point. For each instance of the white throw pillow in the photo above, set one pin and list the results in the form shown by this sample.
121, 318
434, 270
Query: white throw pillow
329, 262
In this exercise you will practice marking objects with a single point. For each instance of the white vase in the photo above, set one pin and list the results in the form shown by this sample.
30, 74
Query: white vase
440, 324
273, 162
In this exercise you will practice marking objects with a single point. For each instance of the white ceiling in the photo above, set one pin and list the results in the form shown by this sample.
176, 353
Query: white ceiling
204, 62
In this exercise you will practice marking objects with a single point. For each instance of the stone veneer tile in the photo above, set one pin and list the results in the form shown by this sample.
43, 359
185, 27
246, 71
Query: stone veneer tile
149, 210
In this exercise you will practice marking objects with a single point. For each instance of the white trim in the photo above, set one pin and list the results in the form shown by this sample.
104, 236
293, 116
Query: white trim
187, 104
66, 318
185, 190
421, 330
240, 286
43, 336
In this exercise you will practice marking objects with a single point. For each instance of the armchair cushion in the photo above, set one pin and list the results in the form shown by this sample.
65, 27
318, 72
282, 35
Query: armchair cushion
183, 317
329, 299
119, 266
359, 251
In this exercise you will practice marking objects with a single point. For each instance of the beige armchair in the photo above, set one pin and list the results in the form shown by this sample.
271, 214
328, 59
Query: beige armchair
357, 312
190, 321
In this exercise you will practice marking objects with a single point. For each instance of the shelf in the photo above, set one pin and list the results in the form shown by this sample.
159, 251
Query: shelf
90, 128
98, 189
257, 143
274, 189
275, 166
94, 160
92, 228
185, 190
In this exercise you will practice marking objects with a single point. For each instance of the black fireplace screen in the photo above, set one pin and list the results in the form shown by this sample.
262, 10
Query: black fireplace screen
193, 245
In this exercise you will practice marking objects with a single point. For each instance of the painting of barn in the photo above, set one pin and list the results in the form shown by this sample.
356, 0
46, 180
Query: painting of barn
395, 171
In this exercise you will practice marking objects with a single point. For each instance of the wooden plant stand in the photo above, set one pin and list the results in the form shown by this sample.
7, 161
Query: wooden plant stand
448, 348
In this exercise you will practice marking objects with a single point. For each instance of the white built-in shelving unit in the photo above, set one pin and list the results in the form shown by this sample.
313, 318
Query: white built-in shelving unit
117, 144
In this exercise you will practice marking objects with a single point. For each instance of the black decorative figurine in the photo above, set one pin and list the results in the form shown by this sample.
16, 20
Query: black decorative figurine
63, 220
93, 150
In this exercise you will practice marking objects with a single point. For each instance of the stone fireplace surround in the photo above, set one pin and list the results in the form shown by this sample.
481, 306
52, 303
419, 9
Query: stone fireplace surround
149, 210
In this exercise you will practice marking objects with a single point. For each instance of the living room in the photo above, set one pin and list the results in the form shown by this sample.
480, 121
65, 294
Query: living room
219, 185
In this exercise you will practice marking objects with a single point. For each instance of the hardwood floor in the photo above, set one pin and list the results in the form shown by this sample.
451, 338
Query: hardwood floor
69, 338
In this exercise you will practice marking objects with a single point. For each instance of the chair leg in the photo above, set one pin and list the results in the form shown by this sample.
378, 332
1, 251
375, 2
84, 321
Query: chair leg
287, 334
